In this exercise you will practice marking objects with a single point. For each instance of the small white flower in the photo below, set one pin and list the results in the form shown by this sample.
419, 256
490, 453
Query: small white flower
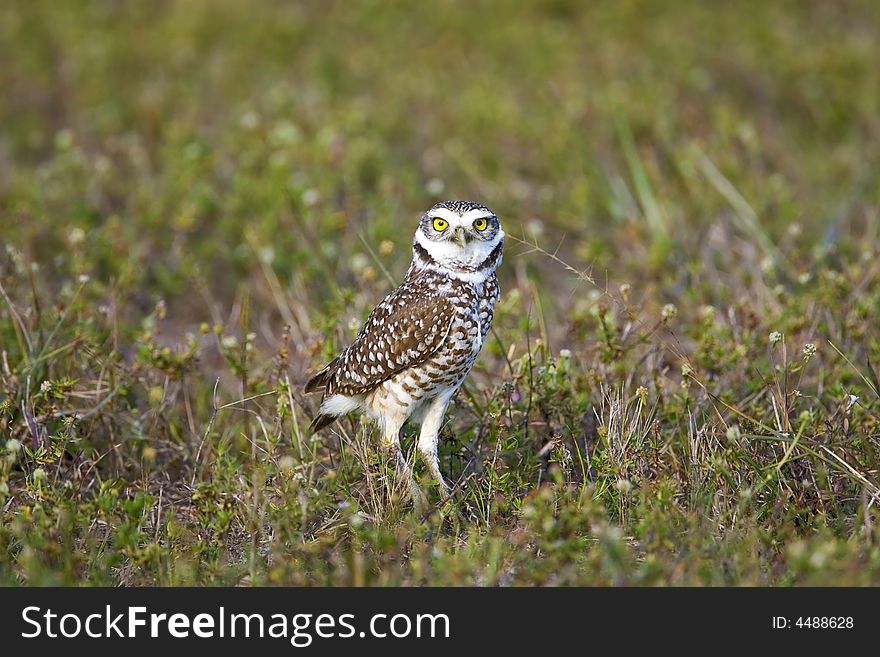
63, 139
565, 353
809, 350
607, 532
851, 401
267, 255
775, 337
359, 262
310, 196
249, 120
285, 133
535, 227
46, 386
76, 236
668, 312
229, 341
84, 278
435, 187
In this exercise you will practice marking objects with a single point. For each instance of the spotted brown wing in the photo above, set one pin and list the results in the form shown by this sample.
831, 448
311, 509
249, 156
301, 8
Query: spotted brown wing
404, 330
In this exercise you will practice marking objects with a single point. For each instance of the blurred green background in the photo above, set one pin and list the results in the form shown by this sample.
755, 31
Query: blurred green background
194, 190
169, 132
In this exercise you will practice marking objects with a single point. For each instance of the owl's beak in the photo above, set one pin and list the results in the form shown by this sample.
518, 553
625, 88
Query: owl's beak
460, 237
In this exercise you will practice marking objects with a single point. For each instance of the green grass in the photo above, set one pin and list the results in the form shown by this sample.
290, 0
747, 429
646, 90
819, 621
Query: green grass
201, 201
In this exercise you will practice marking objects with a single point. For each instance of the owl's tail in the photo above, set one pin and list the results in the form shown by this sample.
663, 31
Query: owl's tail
335, 406
317, 383
321, 420
332, 407
320, 380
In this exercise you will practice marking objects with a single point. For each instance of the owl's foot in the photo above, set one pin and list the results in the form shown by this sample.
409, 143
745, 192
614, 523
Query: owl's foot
429, 457
417, 497
407, 478
445, 489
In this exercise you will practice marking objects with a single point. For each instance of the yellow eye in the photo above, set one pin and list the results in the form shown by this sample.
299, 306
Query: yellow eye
480, 224
440, 224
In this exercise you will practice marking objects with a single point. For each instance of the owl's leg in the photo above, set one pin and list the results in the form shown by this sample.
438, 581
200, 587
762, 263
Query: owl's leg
429, 437
391, 443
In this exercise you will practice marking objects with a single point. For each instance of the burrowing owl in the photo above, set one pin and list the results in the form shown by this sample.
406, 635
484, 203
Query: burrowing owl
420, 342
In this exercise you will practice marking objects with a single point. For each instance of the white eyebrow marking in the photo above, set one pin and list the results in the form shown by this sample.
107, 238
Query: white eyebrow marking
477, 213
444, 213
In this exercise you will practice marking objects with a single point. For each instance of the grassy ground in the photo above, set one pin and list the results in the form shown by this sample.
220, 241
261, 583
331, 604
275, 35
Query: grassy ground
200, 201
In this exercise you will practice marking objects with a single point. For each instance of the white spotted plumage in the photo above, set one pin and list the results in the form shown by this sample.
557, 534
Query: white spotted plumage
420, 342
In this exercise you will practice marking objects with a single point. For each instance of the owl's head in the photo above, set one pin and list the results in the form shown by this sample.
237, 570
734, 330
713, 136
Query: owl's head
460, 236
